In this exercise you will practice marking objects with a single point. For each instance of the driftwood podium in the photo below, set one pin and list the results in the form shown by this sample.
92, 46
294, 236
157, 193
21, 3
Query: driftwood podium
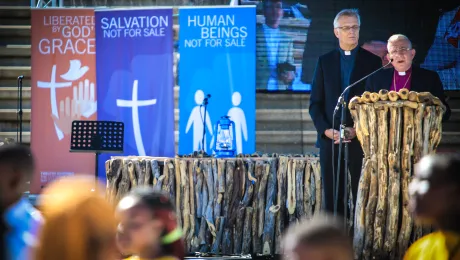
395, 130
227, 206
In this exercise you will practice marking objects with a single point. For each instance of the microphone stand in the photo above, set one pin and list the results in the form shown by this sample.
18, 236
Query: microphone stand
205, 104
343, 104
19, 133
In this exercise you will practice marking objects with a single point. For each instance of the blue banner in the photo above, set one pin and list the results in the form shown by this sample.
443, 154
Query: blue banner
134, 62
217, 58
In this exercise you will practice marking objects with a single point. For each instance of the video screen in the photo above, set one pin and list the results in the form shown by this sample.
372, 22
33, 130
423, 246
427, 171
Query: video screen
444, 54
281, 34
288, 28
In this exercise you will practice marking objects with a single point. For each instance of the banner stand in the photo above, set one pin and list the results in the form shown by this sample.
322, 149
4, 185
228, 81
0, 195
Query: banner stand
97, 137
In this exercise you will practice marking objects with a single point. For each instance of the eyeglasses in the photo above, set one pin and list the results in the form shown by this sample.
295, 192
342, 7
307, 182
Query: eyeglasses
348, 28
401, 50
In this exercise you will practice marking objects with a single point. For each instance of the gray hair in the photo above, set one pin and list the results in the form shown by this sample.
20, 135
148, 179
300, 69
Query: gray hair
398, 37
347, 12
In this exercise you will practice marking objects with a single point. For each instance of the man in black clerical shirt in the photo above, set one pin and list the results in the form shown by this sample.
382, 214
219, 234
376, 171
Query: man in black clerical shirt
334, 72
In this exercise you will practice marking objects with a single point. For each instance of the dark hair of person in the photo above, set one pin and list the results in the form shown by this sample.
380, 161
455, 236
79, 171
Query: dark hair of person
3, 232
17, 156
319, 231
265, 2
446, 166
162, 208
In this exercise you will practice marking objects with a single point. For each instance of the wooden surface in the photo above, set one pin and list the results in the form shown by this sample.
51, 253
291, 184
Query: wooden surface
395, 130
226, 206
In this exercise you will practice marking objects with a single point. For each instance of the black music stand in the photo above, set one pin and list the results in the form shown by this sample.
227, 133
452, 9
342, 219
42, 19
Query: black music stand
97, 137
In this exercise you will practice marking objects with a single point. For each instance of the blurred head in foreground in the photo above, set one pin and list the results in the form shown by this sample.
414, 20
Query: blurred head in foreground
435, 189
321, 238
79, 222
20, 217
148, 226
16, 169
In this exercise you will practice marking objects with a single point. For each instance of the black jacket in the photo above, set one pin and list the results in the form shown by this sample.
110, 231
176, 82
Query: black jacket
422, 80
327, 87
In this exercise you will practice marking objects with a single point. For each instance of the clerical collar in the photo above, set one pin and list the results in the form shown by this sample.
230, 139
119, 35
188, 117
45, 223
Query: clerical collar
348, 53
404, 73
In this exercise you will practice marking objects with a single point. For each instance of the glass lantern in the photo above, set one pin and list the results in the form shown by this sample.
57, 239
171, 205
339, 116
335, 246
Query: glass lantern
224, 143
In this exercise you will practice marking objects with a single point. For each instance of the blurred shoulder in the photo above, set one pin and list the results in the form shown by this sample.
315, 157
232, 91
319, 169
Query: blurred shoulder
425, 248
330, 56
425, 72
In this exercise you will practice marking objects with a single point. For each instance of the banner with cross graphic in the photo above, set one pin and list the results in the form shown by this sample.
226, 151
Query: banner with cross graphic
134, 62
63, 90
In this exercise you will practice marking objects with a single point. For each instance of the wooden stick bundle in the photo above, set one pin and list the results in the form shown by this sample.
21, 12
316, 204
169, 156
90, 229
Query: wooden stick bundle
281, 201
269, 222
395, 130
318, 187
406, 165
373, 188
394, 180
226, 206
382, 165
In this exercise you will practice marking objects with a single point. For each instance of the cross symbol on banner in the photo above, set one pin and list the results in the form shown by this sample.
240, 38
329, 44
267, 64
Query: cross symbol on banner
53, 85
134, 103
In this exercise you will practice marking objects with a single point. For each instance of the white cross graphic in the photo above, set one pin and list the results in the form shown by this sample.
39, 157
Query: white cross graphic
135, 104
52, 85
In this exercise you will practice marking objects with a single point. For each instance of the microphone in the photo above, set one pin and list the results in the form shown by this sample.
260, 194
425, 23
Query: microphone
340, 101
208, 96
343, 134
19, 114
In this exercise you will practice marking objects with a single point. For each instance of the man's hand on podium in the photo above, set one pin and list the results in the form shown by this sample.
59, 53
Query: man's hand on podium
350, 133
333, 134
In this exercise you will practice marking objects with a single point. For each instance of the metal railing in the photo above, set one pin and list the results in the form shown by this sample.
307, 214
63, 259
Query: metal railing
46, 3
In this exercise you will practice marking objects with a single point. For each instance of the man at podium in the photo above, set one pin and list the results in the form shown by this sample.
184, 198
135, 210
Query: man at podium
406, 75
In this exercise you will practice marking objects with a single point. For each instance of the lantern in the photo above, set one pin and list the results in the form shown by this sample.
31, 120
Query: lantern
224, 143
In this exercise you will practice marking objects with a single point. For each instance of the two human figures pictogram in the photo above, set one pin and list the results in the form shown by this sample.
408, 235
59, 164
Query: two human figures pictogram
197, 117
